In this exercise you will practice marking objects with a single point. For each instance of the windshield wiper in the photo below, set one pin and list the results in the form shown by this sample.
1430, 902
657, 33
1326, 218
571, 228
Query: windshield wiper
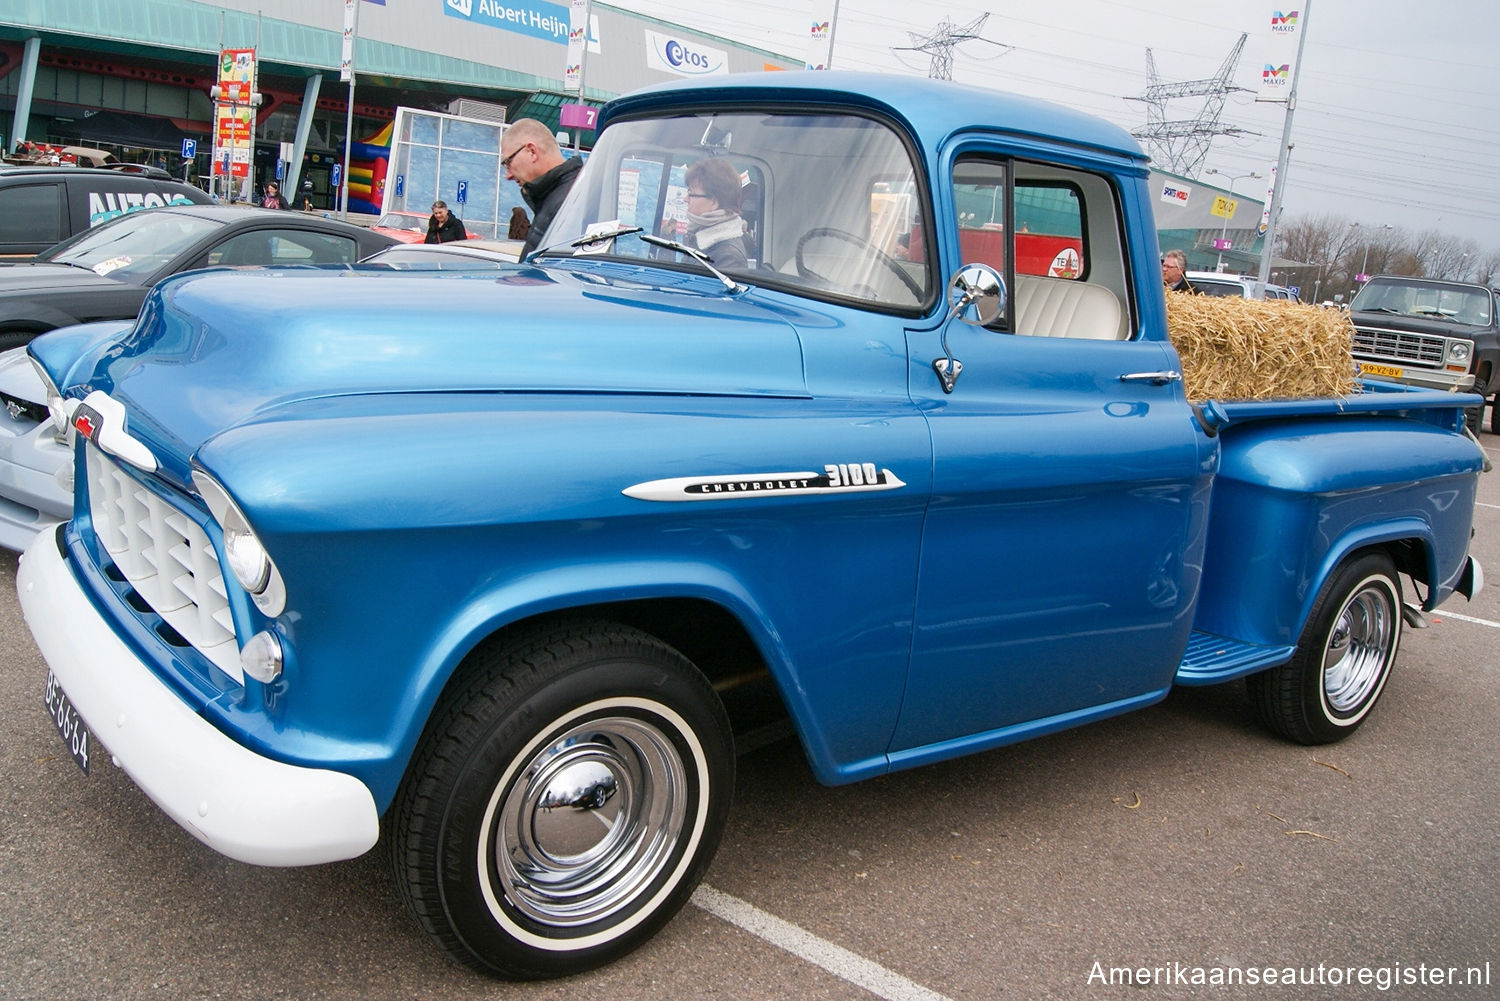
586, 240
695, 254
71, 264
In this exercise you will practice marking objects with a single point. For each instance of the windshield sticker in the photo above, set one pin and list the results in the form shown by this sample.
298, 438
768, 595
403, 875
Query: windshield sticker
837, 477
113, 264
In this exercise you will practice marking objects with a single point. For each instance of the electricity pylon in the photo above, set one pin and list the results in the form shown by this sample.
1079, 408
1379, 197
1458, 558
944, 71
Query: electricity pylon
1181, 145
940, 44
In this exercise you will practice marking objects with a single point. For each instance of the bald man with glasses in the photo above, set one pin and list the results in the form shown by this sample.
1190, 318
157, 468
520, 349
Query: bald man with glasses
530, 156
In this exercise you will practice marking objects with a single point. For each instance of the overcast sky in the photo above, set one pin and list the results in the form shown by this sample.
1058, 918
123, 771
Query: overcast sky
1398, 115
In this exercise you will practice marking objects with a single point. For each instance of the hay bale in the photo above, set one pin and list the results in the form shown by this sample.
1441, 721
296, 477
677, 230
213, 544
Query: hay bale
1242, 349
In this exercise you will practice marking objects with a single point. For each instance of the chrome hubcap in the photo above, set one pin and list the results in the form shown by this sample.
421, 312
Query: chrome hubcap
590, 821
1358, 647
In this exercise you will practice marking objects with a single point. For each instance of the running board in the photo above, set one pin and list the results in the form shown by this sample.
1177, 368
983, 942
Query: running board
1211, 659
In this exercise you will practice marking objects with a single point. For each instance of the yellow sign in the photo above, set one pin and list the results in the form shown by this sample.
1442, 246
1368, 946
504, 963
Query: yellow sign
1224, 207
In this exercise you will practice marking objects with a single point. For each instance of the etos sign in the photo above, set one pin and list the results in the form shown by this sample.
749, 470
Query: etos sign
684, 58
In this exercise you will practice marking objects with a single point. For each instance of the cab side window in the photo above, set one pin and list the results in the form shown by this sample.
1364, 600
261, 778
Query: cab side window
1054, 236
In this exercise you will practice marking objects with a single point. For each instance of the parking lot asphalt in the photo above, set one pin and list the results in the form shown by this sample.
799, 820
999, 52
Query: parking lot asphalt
1181, 843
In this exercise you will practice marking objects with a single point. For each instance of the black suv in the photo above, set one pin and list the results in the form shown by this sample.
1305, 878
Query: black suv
42, 206
1425, 332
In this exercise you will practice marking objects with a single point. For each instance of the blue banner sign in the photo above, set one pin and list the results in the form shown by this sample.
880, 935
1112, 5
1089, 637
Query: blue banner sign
536, 18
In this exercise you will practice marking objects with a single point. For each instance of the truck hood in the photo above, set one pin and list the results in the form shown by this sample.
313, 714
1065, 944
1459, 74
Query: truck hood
213, 350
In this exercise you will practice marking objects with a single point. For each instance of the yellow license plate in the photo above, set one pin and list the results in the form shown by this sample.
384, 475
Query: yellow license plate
1390, 371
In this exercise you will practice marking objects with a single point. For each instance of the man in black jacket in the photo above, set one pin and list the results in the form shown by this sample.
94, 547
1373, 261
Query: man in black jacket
531, 157
1174, 272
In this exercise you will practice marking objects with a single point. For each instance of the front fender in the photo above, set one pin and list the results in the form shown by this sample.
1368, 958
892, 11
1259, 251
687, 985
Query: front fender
413, 536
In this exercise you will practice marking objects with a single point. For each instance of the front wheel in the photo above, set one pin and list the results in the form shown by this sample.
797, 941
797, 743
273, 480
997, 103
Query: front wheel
1343, 657
565, 803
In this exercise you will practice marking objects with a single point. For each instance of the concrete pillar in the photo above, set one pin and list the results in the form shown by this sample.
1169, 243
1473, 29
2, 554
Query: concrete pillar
29, 60
293, 190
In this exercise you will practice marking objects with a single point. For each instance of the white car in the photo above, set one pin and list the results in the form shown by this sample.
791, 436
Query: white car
1242, 286
456, 255
36, 467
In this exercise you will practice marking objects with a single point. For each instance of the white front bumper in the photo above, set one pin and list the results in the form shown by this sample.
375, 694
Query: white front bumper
237, 802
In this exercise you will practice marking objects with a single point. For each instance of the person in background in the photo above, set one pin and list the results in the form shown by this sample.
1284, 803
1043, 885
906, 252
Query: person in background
519, 224
443, 226
531, 157
713, 210
1174, 272
272, 198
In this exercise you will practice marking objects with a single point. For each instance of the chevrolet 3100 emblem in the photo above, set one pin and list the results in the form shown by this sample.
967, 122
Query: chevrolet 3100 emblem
837, 477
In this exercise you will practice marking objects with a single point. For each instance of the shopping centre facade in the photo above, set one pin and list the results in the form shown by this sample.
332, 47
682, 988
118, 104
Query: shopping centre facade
136, 79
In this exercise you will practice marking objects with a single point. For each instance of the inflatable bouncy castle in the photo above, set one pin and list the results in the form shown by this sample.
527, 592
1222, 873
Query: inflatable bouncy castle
368, 161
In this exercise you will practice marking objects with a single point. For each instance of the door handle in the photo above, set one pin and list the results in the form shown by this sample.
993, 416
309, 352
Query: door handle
1155, 378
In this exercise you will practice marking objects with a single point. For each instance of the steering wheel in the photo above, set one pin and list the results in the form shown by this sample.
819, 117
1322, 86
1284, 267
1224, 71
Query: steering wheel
859, 243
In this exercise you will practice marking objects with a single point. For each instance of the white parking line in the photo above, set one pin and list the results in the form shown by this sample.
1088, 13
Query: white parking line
1483, 504
1465, 618
835, 959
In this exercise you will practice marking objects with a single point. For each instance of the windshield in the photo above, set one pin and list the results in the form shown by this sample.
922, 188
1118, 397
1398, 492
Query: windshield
133, 246
1466, 304
825, 205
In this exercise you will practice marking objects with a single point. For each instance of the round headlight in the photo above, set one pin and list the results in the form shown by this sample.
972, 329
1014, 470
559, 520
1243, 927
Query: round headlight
1458, 351
247, 559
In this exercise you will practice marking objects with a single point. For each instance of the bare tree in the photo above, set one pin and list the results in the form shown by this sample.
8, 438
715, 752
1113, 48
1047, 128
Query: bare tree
1487, 270
1333, 250
1446, 257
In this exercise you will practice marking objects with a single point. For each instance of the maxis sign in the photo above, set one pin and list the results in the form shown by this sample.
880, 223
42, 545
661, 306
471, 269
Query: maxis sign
683, 57
536, 18
1284, 22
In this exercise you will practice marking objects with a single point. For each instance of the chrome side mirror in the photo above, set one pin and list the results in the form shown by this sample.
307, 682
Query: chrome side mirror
980, 286
976, 294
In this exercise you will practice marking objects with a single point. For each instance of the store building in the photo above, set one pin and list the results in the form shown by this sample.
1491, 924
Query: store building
136, 78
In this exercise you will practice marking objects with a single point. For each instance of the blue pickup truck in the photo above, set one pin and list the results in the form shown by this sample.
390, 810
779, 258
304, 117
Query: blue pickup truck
505, 565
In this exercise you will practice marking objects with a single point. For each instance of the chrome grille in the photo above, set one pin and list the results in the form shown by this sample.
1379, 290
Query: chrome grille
166, 557
1399, 345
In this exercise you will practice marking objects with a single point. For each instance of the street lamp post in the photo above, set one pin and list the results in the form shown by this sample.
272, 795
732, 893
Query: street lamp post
1365, 261
1224, 230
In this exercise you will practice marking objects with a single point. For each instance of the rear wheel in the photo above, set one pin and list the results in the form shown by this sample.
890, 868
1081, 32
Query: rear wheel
565, 803
1343, 657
